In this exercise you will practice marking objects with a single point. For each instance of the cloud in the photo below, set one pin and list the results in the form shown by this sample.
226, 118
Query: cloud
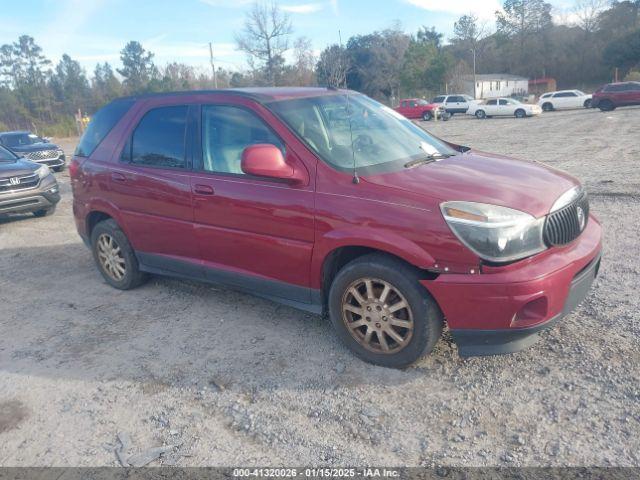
303, 8
227, 3
484, 9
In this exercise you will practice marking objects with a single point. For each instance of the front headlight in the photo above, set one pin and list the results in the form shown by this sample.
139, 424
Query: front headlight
494, 233
43, 171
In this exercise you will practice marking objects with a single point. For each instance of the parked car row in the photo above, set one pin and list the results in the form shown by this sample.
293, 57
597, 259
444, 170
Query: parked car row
606, 98
27, 184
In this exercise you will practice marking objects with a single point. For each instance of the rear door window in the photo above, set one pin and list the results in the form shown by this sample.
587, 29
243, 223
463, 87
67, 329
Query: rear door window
159, 138
101, 124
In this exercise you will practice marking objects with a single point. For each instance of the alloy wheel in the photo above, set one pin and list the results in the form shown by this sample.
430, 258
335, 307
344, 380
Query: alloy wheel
377, 315
110, 256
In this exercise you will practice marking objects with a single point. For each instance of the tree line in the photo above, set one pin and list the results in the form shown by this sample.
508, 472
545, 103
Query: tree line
599, 40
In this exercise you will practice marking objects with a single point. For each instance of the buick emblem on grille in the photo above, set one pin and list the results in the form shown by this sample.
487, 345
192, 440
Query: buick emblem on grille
14, 181
581, 218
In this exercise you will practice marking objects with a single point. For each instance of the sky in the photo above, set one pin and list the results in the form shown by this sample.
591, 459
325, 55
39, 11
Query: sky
92, 31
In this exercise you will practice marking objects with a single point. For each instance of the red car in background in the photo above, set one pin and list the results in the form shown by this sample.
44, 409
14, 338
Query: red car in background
615, 95
420, 108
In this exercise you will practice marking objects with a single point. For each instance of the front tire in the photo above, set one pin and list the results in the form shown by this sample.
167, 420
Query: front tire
426, 116
547, 107
520, 113
587, 103
381, 312
481, 115
115, 257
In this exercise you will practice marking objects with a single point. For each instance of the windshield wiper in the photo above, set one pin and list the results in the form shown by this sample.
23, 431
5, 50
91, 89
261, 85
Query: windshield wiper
426, 159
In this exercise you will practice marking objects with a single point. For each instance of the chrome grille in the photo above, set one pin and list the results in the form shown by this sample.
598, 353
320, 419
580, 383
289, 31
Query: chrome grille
565, 225
19, 182
42, 155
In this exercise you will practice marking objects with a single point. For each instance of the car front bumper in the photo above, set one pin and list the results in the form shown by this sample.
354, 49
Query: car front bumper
502, 309
44, 196
52, 162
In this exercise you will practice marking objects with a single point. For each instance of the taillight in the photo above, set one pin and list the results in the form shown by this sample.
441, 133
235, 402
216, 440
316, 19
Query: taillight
74, 168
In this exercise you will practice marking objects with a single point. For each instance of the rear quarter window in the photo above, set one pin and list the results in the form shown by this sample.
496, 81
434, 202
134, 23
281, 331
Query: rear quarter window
101, 124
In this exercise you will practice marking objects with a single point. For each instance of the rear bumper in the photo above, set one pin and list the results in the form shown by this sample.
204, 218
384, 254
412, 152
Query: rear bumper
502, 309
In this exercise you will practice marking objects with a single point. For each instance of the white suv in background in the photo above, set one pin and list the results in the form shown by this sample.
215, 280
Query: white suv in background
453, 104
564, 99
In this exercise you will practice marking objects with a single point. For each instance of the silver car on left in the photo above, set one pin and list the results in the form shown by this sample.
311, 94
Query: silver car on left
26, 186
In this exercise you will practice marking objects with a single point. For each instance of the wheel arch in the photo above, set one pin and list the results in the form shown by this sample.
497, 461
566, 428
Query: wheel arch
331, 257
99, 211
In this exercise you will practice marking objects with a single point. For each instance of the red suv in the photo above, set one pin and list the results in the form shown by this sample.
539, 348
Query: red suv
418, 108
328, 201
614, 95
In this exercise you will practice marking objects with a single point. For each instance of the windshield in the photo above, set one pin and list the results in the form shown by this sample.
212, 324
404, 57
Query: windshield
6, 155
20, 139
423, 102
331, 125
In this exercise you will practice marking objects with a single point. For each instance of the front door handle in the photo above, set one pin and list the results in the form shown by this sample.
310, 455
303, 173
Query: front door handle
203, 189
118, 177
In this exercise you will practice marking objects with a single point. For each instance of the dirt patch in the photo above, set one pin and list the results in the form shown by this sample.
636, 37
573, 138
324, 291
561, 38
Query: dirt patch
12, 414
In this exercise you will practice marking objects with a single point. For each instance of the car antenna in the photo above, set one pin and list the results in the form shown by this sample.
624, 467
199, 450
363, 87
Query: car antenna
356, 178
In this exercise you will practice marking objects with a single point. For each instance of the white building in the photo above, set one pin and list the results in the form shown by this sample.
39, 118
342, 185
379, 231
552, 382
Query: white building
494, 85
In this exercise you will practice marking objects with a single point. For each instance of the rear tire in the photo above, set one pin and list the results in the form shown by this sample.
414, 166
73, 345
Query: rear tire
115, 257
388, 333
481, 115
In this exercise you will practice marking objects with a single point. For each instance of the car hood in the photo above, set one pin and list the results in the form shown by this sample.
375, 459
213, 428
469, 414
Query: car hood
14, 168
36, 147
485, 178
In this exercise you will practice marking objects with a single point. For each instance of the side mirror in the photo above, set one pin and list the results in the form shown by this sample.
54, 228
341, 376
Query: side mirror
266, 160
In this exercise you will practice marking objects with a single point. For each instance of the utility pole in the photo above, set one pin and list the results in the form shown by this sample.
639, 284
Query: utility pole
213, 67
475, 82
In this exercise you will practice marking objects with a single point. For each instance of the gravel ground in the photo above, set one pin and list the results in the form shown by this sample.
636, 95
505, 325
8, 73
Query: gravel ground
229, 379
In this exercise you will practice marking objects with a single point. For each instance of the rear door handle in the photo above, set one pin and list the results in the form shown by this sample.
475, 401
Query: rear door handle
203, 189
118, 177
